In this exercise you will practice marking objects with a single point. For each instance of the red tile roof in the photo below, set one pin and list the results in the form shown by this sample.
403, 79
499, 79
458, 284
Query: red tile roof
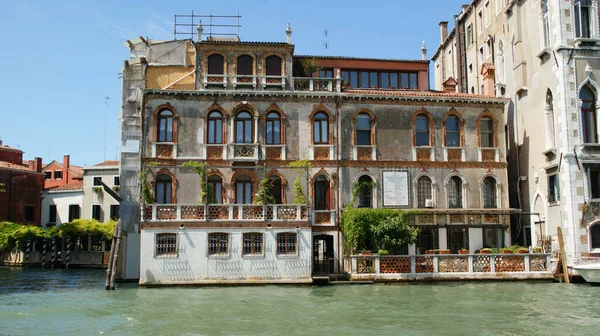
75, 170
10, 148
107, 163
9, 165
71, 186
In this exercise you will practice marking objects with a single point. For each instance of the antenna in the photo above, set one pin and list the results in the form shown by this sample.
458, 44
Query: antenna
105, 123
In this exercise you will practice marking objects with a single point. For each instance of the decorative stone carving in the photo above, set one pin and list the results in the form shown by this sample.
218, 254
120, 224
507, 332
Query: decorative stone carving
423, 154
322, 153
488, 155
164, 151
364, 153
214, 153
274, 153
454, 155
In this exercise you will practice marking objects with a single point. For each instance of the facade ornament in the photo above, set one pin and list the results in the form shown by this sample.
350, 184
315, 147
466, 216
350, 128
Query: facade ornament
200, 29
423, 52
536, 178
288, 33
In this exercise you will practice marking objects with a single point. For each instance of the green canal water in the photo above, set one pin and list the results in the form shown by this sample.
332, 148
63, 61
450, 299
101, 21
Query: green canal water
74, 302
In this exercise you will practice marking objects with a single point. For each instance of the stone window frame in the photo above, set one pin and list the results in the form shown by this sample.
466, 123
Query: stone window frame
169, 246
232, 184
253, 249
485, 114
545, 24
275, 173
244, 106
592, 19
237, 58
285, 248
373, 122
482, 190
224, 185
415, 186
224, 120
224, 73
264, 63
313, 179
218, 245
595, 225
375, 193
330, 120
461, 128
155, 119
431, 125
282, 121
447, 186
595, 90
174, 183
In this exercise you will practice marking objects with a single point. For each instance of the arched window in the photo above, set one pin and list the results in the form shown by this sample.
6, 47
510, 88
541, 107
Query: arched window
244, 65
455, 200
273, 129
216, 64
276, 189
595, 235
423, 191
165, 126
321, 128
588, 115
422, 130
545, 25
215, 189
322, 193
452, 131
215, 128
489, 193
582, 18
486, 132
243, 128
243, 190
273, 65
363, 129
365, 196
163, 191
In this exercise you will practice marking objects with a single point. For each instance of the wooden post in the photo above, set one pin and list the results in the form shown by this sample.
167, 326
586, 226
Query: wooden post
118, 237
110, 260
563, 260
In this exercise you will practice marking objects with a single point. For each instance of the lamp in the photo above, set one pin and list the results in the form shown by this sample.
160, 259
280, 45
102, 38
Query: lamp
269, 226
182, 226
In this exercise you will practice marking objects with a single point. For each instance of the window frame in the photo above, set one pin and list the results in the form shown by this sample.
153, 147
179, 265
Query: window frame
588, 116
455, 190
270, 68
114, 212
322, 193
213, 124
218, 244
489, 192
251, 246
165, 134
426, 130
545, 24
244, 58
216, 186
169, 247
245, 182
166, 186
492, 134
365, 195
270, 123
244, 123
553, 188
210, 65
317, 125
578, 21
457, 132
357, 131
423, 187
52, 213
97, 212
286, 243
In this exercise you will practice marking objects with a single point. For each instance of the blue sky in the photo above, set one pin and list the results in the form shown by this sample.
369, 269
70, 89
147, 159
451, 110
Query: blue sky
60, 58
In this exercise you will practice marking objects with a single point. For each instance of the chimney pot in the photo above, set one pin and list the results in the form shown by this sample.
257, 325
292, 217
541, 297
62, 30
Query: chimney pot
37, 166
443, 31
66, 166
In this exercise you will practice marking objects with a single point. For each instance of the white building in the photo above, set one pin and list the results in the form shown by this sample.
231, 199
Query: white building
62, 204
98, 204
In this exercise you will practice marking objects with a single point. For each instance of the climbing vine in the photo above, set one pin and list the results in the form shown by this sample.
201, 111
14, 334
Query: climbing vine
356, 188
264, 195
147, 196
298, 195
206, 194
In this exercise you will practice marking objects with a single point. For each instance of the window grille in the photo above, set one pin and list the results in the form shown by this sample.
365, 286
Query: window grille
489, 193
166, 244
252, 243
286, 243
218, 243
423, 191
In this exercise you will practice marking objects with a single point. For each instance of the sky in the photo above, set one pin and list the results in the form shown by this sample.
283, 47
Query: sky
60, 60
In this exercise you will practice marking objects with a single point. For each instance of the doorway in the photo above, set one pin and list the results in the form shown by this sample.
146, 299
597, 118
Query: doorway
323, 262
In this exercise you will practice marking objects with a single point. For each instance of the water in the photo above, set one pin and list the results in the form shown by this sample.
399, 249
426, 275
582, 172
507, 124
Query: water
59, 302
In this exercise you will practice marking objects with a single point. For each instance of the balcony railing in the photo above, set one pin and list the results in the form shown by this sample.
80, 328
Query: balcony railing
274, 152
243, 152
451, 265
316, 84
231, 212
215, 80
273, 81
241, 80
363, 152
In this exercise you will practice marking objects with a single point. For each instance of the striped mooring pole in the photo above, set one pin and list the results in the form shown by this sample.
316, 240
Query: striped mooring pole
53, 257
27, 251
68, 257
44, 247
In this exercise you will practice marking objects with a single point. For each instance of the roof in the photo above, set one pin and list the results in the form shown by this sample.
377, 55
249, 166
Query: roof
107, 163
361, 58
76, 170
8, 148
245, 42
429, 93
71, 186
9, 165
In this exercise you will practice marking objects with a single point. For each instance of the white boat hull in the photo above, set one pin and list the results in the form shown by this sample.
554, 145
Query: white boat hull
590, 272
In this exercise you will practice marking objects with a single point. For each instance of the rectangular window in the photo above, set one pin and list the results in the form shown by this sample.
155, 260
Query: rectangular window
364, 79
553, 189
114, 211
74, 212
165, 244
326, 73
97, 212
373, 79
116, 180
492, 237
582, 20
385, 80
97, 181
286, 243
52, 214
58, 174
427, 239
469, 35
218, 243
479, 21
29, 211
252, 243
48, 175
394, 80
354, 78
488, 14
458, 238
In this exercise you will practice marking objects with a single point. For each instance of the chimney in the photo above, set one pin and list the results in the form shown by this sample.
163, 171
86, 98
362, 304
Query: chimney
200, 30
66, 165
424, 52
464, 8
37, 165
30, 164
288, 33
443, 31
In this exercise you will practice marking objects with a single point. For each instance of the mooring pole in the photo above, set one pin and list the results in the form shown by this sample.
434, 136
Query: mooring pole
53, 257
563, 258
110, 258
116, 258
44, 247
68, 257
27, 251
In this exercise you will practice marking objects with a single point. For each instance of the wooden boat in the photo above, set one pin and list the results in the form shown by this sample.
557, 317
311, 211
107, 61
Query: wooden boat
590, 272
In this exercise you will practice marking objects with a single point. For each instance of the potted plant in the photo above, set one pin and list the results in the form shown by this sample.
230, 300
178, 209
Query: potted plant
116, 188
366, 253
97, 189
523, 250
537, 249
485, 250
383, 252
430, 252
506, 251
444, 251
463, 251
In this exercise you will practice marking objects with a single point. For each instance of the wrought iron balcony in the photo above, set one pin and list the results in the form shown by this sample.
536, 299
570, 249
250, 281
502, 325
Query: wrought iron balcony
243, 151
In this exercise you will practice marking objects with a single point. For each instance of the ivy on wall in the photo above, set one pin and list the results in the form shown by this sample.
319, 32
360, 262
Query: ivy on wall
206, 194
301, 166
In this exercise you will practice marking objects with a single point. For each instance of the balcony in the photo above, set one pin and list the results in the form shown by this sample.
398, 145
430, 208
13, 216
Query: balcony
322, 152
224, 212
216, 80
273, 81
316, 84
243, 152
214, 152
489, 154
244, 81
364, 153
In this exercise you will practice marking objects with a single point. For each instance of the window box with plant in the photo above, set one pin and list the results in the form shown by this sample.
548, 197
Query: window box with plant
485, 251
463, 251
116, 188
97, 189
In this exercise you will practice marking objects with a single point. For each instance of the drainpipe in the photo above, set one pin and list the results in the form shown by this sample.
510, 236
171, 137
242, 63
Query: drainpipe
338, 154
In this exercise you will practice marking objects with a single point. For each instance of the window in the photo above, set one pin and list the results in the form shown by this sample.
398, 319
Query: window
252, 243
363, 129
287, 243
273, 66
553, 189
582, 18
488, 14
595, 235
218, 243
165, 126
244, 65
455, 192
326, 73
481, 58
408, 80
243, 128
215, 128
365, 196
48, 175
322, 193
28, 213
114, 212
423, 191
486, 132
116, 180
321, 129
452, 131
469, 35
74, 212
381, 79
492, 237
216, 64
427, 239
276, 190
457, 238
97, 181
165, 244
243, 190
594, 178
500, 67
545, 25
489, 193
52, 214
588, 115
97, 212
273, 129
215, 190
422, 130
479, 22
58, 174
163, 189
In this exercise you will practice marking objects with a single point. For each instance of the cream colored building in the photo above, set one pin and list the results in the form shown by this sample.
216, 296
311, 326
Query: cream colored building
97, 203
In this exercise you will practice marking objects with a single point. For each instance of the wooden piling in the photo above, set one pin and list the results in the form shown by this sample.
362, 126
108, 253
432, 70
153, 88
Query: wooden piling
111, 257
563, 259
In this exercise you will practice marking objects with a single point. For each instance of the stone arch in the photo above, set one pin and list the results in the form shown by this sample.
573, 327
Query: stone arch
413, 120
415, 183
245, 106
275, 173
174, 183
498, 189
155, 114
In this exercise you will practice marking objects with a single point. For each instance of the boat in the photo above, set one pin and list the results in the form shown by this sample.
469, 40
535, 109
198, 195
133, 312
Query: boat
590, 272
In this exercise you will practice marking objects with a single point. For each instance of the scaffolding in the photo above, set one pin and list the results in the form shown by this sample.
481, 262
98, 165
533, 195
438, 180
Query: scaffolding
227, 26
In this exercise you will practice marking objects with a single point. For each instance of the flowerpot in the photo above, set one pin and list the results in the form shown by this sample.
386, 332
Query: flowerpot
524, 251
430, 252
366, 253
444, 251
485, 251
507, 251
463, 251
537, 250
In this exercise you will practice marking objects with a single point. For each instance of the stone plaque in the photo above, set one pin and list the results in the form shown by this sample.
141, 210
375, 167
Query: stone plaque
395, 188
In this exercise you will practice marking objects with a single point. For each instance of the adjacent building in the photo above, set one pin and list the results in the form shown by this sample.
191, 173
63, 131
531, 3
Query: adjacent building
96, 202
542, 56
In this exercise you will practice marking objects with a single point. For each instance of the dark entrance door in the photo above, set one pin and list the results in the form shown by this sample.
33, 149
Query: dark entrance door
323, 254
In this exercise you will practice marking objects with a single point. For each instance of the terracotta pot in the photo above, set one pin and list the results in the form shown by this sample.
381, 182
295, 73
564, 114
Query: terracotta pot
485, 251
507, 251
365, 253
522, 251
463, 251
430, 252
444, 251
